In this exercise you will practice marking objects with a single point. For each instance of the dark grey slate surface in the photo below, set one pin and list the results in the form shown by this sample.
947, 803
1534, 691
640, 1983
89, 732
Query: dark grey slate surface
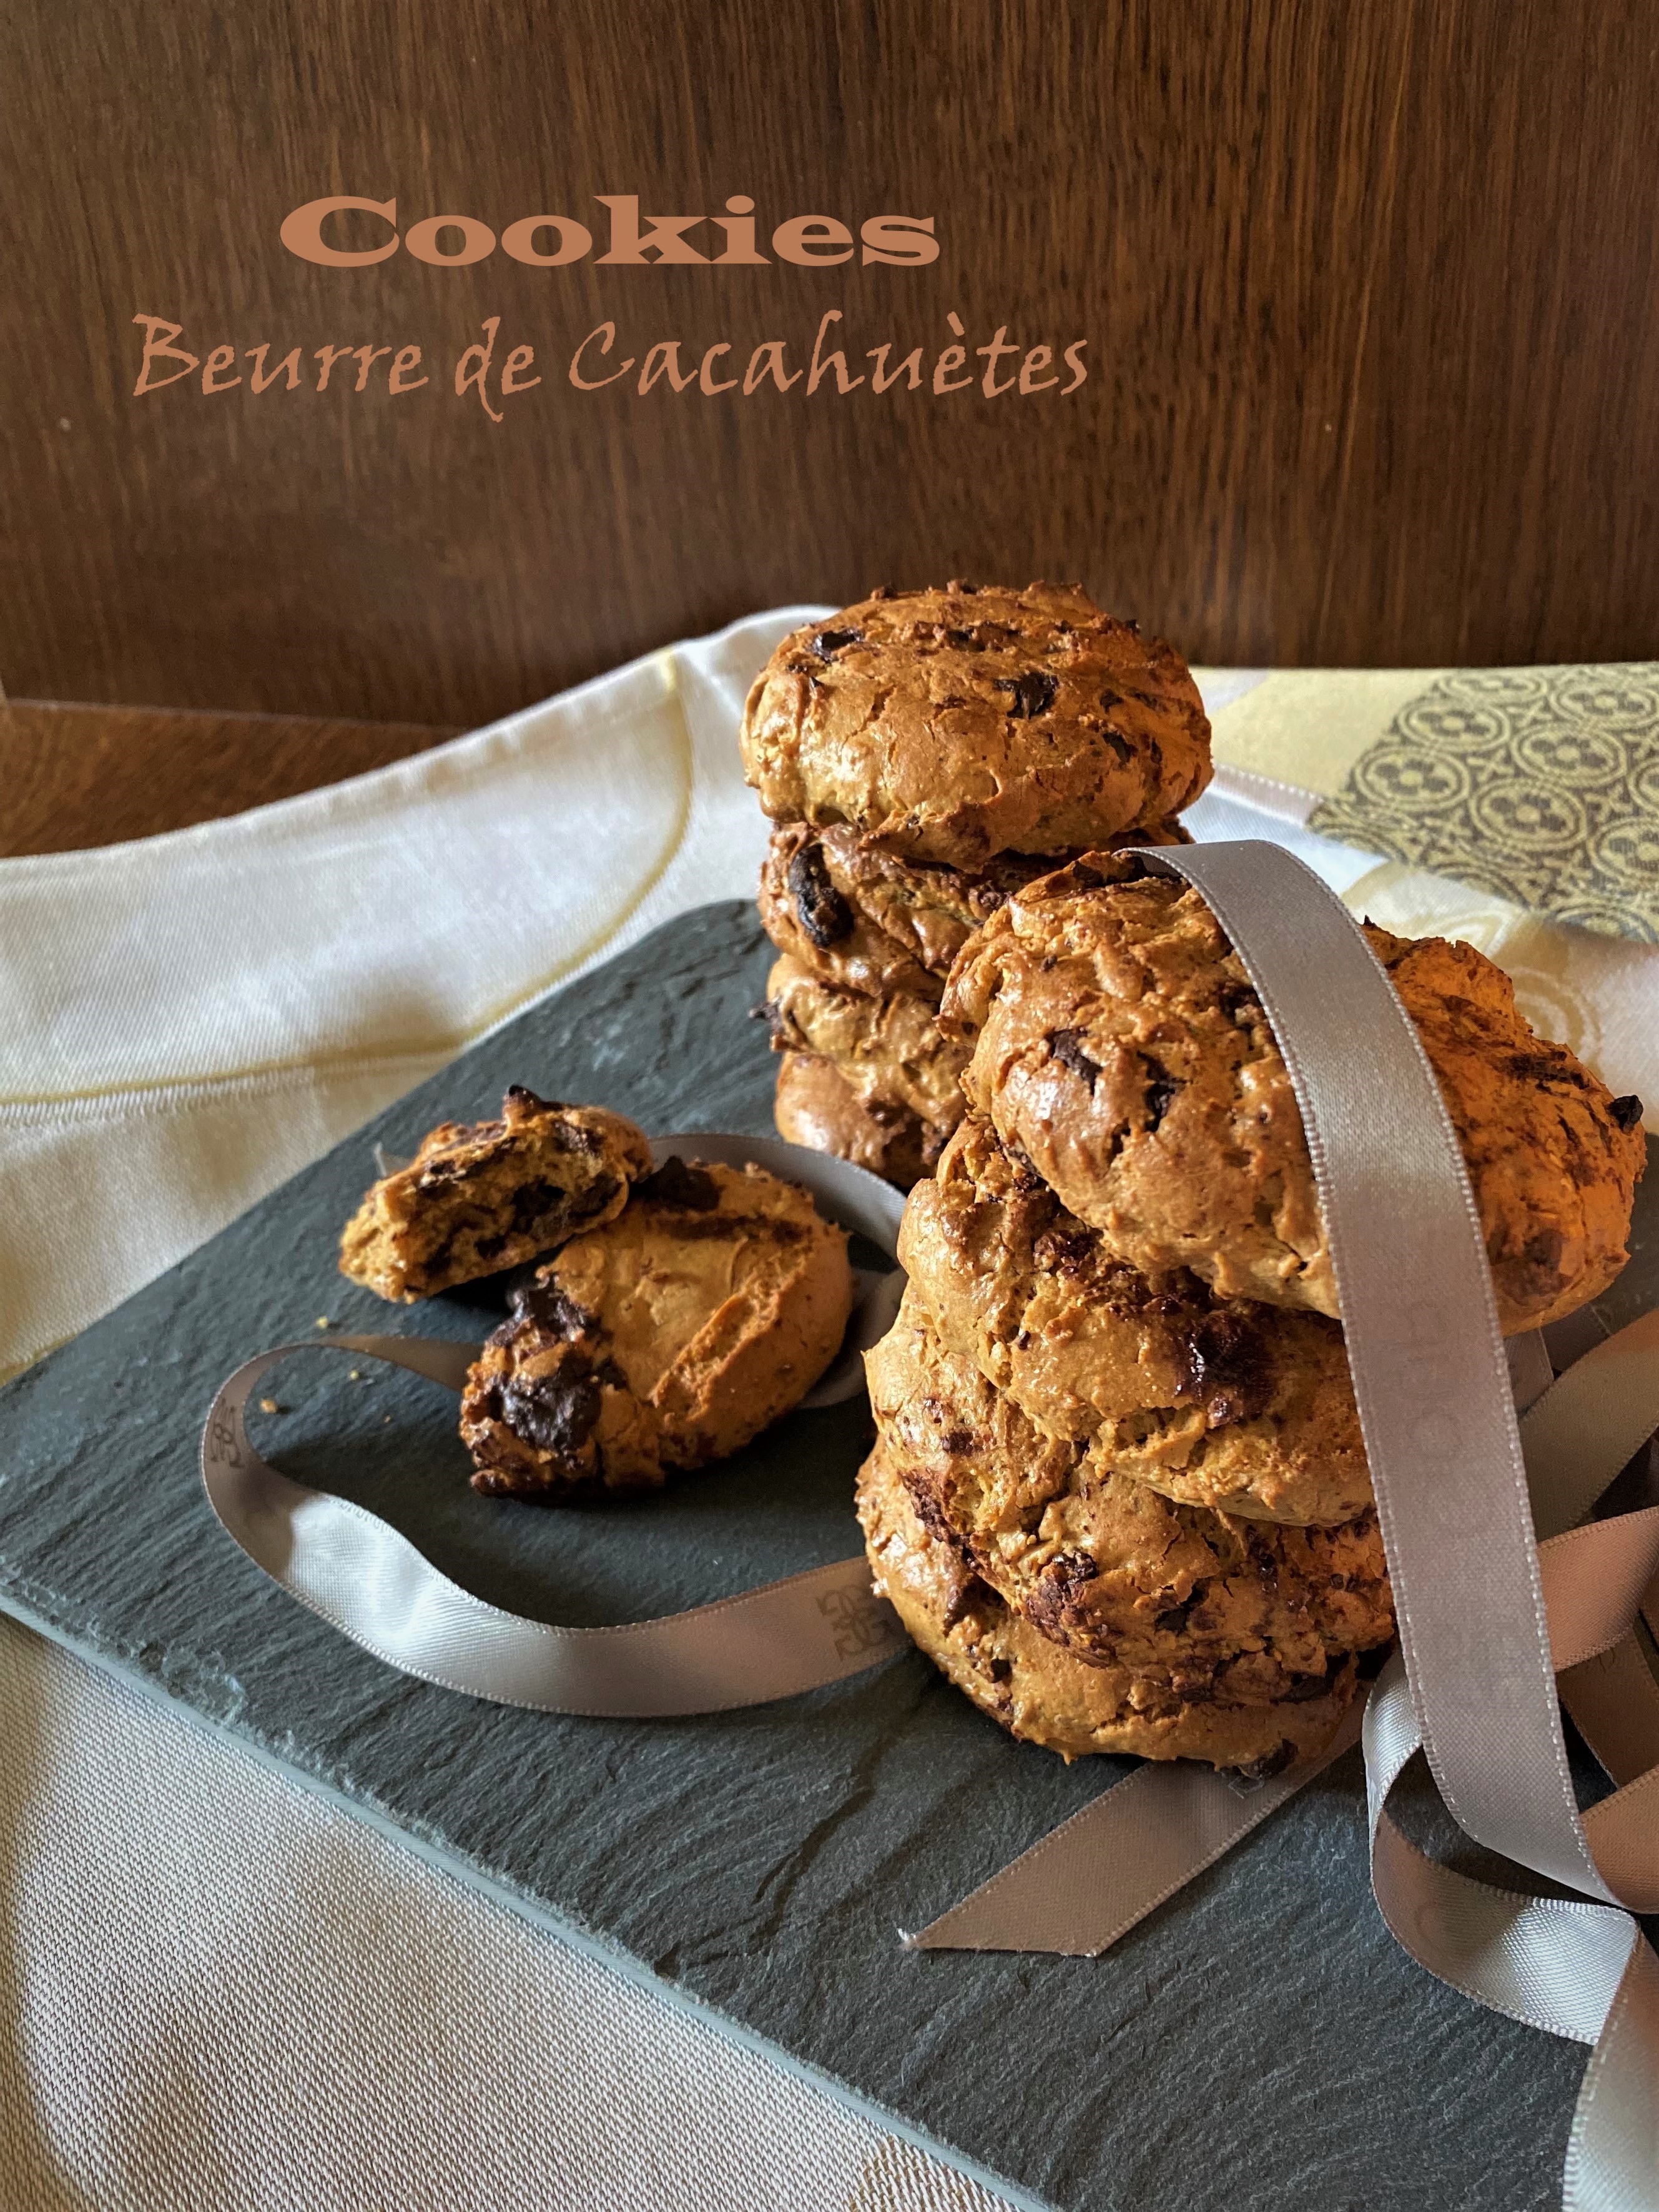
1260, 2044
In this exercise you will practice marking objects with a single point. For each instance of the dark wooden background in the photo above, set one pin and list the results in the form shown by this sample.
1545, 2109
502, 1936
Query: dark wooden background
1368, 287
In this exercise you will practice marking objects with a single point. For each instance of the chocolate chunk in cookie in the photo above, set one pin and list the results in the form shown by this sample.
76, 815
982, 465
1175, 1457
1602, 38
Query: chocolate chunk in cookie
482, 1196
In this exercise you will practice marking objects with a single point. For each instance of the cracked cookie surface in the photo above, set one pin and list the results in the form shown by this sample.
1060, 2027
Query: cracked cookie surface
1116, 1040
888, 1051
671, 1337
868, 921
954, 725
1098, 1561
1220, 1402
1046, 1695
815, 1106
481, 1196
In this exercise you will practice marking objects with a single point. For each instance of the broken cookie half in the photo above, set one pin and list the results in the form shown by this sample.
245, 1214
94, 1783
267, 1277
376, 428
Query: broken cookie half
668, 1338
481, 1196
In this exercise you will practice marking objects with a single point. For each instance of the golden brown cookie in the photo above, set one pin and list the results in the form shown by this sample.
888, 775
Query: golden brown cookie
1116, 1040
1219, 1402
888, 1051
1046, 1695
816, 1106
1100, 1562
669, 1338
868, 921
479, 1197
958, 723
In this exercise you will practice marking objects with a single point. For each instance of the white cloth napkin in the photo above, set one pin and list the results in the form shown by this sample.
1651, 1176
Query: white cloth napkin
218, 1992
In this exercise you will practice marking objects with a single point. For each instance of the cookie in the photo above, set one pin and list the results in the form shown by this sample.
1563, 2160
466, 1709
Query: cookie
480, 1196
1100, 1562
1219, 1402
816, 1106
1116, 1040
868, 921
959, 724
667, 1339
888, 1051
1046, 1695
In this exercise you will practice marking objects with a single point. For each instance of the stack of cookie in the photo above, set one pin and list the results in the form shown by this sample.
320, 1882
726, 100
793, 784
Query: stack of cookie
925, 754
1119, 1491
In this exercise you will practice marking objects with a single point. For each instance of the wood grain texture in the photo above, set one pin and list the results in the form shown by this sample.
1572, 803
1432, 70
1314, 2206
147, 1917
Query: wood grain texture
74, 776
1367, 285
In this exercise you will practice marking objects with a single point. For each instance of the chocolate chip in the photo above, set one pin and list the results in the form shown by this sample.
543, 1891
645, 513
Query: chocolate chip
1226, 1369
545, 1306
675, 1184
1545, 1067
1239, 1003
1072, 1569
1305, 1687
958, 1442
1543, 1251
1626, 1111
1053, 1604
927, 1507
828, 642
825, 913
600, 1192
530, 1201
1275, 1762
1033, 694
556, 1414
1066, 1046
1063, 1251
1161, 1090
524, 1101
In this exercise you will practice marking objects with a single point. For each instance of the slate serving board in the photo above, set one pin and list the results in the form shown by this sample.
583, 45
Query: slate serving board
1261, 2042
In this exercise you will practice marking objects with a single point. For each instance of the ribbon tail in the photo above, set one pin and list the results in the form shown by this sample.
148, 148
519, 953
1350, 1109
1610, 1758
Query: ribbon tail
366, 1578
1090, 1881
1613, 2153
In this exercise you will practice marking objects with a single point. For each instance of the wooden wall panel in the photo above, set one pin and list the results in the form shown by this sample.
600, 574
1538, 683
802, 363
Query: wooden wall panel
1366, 287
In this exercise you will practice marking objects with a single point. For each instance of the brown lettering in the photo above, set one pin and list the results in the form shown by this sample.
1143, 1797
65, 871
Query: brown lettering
302, 232
161, 349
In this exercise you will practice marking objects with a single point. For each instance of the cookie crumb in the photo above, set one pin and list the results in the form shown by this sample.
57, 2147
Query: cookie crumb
269, 1406
322, 1322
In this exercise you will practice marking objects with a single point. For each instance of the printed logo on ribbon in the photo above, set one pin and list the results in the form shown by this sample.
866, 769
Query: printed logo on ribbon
859, 1622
